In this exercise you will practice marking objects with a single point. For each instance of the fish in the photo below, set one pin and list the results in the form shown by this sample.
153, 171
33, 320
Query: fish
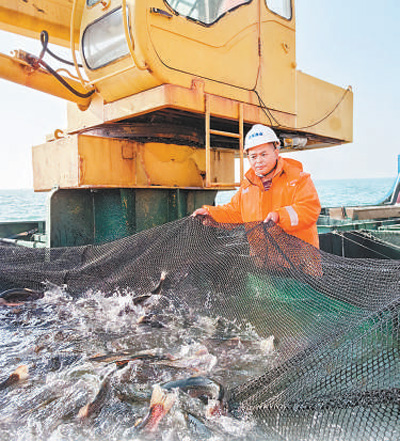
93, 408
132, 393
156, 291
208, 391
138, 300
161, 403
16, 296
20, 374
199, 387
164, 396
126, 356
150, 320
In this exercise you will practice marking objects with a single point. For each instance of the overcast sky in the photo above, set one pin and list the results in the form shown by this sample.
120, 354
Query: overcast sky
345, 42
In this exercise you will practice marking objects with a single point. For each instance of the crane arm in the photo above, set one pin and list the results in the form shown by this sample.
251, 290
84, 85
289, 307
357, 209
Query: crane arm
17, 70
30, 17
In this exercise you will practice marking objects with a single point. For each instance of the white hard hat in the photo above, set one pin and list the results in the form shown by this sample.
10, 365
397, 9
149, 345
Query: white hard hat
258, 135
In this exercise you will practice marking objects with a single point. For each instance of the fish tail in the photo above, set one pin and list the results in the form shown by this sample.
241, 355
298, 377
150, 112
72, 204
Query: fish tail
20, 374
84, 412
94, 407
160, 404
162, 397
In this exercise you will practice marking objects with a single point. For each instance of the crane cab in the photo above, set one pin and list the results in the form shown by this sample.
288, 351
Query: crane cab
237, 50
233, 46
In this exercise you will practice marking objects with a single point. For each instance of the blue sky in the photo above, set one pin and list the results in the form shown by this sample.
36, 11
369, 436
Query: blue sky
355, 42
344, 42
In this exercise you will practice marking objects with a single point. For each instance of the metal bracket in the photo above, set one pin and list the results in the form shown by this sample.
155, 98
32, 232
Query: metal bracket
161, 12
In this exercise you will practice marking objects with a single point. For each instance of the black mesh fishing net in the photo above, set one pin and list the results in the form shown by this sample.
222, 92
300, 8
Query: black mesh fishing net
335, 373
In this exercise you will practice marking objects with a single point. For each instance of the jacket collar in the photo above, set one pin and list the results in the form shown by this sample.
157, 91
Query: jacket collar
252, 178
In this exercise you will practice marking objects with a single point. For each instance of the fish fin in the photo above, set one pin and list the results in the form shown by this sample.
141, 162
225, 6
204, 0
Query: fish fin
138, 422
140, 299
213, 409
94, 407
161, 402
162, 397
84, 412
157, 288
121, 363
142, 319
22, 372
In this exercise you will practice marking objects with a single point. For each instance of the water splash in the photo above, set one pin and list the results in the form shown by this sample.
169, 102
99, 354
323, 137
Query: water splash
59, 338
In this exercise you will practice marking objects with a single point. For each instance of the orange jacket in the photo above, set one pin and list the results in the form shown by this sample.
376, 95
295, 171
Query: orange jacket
292, 195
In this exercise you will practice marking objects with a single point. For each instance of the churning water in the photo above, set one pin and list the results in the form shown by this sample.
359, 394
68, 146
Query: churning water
75, 347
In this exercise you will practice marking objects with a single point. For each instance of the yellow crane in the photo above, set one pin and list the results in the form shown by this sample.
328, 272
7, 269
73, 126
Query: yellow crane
159, 106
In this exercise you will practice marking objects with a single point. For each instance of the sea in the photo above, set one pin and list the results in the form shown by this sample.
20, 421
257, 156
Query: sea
25, 204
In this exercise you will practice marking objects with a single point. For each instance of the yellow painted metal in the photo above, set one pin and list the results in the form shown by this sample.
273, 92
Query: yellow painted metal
29, 18
277, 75
223, 133
128, 75
317, 99
210, 183
192, 100
228, 70
241, 142
75, 13
16, 70
247, 51
208, 143
128, 38
81, 161
249, 48
226, 52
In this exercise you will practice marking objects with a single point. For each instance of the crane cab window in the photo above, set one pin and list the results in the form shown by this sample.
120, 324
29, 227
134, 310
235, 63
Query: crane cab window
204, 11
281, 7
103, 41
92, 2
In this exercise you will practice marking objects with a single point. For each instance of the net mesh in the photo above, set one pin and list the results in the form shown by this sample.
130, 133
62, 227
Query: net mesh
335, 373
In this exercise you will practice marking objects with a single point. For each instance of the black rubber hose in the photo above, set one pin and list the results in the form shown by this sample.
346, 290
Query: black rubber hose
44, 39
62, 80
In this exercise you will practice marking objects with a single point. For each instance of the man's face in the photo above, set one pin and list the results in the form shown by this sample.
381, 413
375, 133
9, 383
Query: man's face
263, 158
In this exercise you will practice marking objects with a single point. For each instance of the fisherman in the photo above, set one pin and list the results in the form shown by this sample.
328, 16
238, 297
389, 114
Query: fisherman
274, 188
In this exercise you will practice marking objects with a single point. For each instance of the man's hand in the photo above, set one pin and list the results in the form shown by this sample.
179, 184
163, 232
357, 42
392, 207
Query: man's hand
200, 212
273, 215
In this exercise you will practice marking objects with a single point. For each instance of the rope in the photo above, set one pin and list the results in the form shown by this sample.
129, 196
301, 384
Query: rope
360, 244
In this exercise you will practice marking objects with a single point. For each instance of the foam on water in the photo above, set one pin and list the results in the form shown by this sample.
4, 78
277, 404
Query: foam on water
58, 338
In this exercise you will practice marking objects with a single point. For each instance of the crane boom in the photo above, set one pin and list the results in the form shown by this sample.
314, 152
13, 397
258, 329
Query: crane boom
29, 18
